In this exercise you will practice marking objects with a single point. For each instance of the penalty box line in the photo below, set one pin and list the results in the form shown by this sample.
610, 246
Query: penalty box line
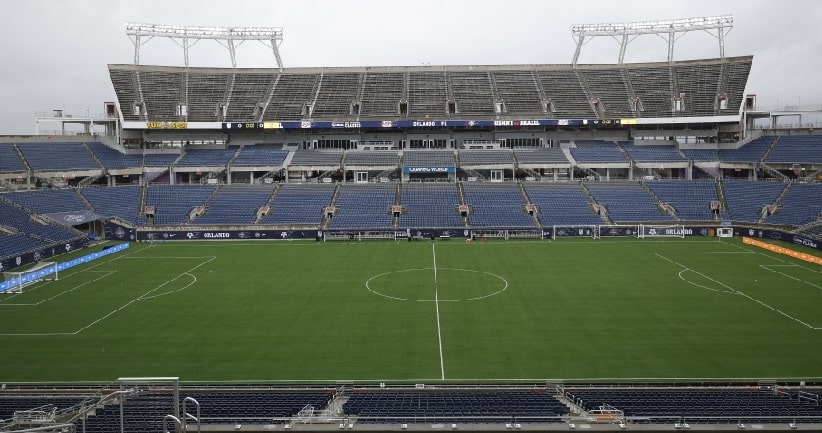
143, 297
740, 293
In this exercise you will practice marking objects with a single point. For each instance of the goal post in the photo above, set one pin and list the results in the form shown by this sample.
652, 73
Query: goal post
42, 271
661, 231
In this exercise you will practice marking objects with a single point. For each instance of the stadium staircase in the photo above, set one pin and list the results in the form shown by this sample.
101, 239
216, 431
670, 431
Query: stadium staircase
327, 219
143, 201
83, 199
720, 194
603, 210
91, 179
267, 205
398, 202
777, 203
665, 207
588, 94
527, 201
461, 194
772, 171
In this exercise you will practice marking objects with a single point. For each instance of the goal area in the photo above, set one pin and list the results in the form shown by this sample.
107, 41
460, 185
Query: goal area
661, 231
42, 271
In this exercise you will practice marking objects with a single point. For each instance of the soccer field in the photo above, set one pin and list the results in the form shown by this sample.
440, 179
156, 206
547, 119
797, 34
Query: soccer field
609, 309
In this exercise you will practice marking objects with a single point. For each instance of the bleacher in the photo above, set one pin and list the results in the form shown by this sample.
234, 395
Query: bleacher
336, 95
299, 204
496, 205
122, 201
519, 91
430, 205
561, 204
203, 93
15, 244
206, 157
173, 203
13, 403
701, 155
234, 205
364, 206
427, 93
627, 202
248, 90
372, 158
161, 91
113, 159
145, 413
381, 94
472, 93
48, 201
485, 157
159, 159
291, 93
715, 406
20, 220
752, 151
260, 155
597, 151
690, 198
801, 204
9, 160
609, 86
316, 158
746, 199
461, 407
541, 156
652, 153
428, 158
567, 95
797, 149
57, 156
655, 91
814, 232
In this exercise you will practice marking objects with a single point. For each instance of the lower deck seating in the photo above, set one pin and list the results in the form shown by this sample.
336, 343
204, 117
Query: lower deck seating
702, 406
391, 407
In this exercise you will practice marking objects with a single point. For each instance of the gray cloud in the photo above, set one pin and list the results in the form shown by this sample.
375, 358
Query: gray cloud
55, 53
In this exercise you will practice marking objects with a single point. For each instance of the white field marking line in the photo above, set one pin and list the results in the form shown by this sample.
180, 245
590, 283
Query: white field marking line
437, 304
105, 274
118, 257
142, 297
768, 256
504, 287
737, 292
768, 267
687, 269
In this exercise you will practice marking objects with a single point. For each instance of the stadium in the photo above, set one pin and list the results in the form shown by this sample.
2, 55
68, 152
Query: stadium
625, 246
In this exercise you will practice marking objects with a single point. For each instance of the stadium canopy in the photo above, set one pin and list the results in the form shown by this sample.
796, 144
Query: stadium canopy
187, 36
669, 30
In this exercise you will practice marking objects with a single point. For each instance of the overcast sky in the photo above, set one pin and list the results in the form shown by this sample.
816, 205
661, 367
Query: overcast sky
54, 53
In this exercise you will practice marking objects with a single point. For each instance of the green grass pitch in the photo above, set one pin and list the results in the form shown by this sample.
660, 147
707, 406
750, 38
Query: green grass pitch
618, 309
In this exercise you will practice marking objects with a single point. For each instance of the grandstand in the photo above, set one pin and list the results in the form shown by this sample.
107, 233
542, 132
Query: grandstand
543, 151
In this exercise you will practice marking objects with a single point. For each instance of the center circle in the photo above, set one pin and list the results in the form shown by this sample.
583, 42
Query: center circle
440, 284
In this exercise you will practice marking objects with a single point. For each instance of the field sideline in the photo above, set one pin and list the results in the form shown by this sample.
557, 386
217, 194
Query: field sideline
598, 310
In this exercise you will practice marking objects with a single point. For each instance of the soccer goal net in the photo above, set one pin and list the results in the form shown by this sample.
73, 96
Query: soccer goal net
42, 271
661, 231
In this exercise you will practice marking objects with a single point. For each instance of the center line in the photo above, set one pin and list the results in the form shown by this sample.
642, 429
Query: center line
437, 304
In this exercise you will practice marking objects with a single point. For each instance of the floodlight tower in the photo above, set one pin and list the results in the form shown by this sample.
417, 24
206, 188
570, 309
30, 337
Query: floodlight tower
187, 36
669, 30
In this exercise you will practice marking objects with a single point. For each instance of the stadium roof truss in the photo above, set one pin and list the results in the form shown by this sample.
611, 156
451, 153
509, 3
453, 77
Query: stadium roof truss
187, 36
669, 30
